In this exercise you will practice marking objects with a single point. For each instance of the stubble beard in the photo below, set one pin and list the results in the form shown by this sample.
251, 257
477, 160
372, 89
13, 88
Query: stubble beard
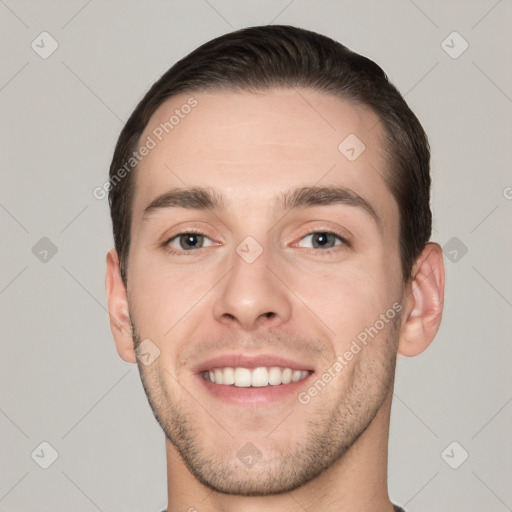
333, 427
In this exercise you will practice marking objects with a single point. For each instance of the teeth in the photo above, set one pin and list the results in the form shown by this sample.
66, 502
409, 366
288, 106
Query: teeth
296, 375
257, 377
274, 376
242, 377
228, 376
219, 376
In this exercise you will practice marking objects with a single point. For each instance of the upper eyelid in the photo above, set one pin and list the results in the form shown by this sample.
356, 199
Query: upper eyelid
167, 242
199, 231
188, 232
193, 231
343, 239
330, 231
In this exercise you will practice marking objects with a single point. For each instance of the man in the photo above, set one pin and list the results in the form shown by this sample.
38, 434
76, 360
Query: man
270, 206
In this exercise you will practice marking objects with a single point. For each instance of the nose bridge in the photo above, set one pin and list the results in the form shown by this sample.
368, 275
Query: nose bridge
251, 294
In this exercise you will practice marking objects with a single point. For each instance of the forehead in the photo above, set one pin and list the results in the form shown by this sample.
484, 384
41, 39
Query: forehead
254, 145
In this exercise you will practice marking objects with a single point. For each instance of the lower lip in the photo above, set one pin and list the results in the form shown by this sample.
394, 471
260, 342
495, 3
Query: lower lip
254, 395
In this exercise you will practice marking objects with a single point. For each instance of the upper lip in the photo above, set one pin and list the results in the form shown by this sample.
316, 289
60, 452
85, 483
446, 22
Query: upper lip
250, 361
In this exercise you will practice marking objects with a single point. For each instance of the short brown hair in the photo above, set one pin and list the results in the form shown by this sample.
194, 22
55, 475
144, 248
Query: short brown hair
259, 58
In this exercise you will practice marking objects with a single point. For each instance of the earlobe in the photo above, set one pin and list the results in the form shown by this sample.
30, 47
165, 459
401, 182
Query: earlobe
118, 309
424, 302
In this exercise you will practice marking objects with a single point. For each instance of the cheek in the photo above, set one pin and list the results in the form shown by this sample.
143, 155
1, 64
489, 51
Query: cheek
157, 296
161, 307
347, 298
164, 299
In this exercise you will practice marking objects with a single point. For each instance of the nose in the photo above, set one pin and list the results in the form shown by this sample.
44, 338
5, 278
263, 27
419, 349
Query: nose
252, 296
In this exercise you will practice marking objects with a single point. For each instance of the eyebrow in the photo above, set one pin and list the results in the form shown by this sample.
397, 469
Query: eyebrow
195, 198
305, 197
204, 198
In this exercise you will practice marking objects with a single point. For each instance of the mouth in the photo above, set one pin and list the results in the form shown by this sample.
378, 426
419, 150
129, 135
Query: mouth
252, 379
259, 377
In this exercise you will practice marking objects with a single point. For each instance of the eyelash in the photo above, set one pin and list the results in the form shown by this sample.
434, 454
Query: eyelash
170, 250
166, 246
343, 240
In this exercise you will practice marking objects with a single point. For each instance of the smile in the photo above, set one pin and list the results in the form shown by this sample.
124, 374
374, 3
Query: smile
254, 377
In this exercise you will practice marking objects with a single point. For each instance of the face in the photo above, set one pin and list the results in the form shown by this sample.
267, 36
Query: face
264, 272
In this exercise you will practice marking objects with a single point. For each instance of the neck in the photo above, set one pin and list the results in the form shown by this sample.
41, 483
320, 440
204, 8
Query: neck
356, 482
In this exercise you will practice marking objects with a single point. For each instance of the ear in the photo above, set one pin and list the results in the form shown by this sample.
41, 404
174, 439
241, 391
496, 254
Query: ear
118, 309
423, 302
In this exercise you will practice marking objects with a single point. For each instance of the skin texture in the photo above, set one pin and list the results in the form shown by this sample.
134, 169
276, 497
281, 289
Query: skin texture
295, 300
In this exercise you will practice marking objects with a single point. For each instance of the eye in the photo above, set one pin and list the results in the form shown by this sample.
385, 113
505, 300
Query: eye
189, 241
320, 240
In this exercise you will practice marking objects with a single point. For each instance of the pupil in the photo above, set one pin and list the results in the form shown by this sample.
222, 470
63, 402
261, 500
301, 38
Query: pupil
323, 240
189, 241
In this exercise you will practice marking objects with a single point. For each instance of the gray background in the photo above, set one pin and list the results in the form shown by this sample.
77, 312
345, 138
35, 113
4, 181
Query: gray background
61, 380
